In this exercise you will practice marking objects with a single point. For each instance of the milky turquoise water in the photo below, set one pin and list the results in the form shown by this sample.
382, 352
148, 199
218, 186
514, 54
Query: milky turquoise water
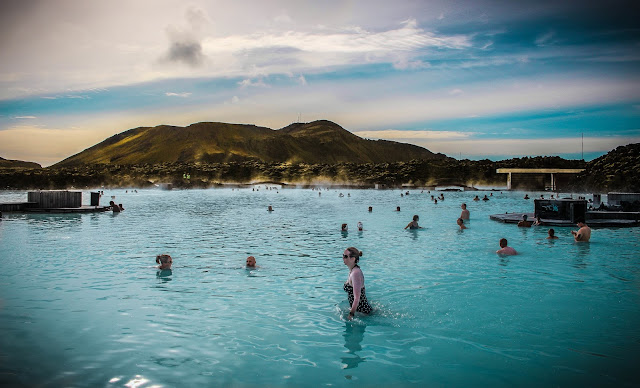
81, 303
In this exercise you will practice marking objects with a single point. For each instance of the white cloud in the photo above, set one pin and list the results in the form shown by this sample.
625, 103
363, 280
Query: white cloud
483, 99
351, 40
545, 39
302, 80
283, 18
25, 117
183, 94
524, 147
248, 83
412, 135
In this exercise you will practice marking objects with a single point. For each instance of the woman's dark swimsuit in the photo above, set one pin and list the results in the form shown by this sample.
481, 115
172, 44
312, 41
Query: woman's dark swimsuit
363, 305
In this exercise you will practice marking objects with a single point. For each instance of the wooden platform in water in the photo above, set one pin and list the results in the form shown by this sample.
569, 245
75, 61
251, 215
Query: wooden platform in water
81, 209
514, 218
30, 207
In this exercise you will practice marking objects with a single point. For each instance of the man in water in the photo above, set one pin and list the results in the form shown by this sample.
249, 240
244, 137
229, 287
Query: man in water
114, 207
583, 234
251, 262
524, 222
504, 249
465, 213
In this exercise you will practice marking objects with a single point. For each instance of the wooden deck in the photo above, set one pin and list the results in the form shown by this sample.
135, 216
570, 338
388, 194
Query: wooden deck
81, 209
514, 218
31, 207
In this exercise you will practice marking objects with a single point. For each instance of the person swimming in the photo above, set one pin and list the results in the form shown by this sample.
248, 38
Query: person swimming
354, 286
165, 261
461, 224
505, 249
552, 234
251, 262
414, 223
524, 222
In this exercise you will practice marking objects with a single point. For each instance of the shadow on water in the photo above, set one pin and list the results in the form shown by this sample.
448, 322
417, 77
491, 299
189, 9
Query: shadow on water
504, 260
583, 252
164, 275
353, 336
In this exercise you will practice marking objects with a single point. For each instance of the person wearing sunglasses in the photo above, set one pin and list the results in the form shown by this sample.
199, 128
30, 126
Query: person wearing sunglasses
354, 286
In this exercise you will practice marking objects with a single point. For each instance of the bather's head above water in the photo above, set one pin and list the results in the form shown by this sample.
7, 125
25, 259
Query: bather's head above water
165, 261
251, 261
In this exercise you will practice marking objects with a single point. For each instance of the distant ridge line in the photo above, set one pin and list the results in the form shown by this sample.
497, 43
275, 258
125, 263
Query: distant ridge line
320, 141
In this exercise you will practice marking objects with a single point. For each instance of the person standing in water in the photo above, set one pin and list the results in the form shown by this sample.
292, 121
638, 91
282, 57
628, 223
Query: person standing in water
583, 234
464, 214
505, 249
414, 224
354, 286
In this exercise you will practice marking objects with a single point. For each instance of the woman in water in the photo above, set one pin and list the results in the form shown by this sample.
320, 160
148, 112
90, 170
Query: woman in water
354, 286
414, 224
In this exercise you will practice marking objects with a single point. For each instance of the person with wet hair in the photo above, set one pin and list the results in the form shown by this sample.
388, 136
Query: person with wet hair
165, 261
505, 249
354, 286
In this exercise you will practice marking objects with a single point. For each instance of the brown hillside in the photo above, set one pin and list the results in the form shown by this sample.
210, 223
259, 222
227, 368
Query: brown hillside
210, 142
5, 163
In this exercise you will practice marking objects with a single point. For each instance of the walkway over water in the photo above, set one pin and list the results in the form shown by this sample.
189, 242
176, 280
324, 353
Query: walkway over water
537, 181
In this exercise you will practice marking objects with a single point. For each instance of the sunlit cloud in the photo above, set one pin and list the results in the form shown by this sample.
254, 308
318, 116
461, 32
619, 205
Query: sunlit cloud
413, 135
354, 40
33, 143
526, 147
458, 70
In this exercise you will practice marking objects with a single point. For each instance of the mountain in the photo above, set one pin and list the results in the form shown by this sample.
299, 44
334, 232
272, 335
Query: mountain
4, 163
211, 142
618, 170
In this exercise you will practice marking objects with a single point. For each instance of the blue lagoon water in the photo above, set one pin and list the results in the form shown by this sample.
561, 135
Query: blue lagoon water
81, 303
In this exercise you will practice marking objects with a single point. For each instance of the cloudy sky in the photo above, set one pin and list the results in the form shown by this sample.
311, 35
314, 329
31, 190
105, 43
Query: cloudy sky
471, 79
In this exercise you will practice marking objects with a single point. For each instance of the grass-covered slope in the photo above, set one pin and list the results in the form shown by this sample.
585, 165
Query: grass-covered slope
618, 170
209, 142
5, 163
